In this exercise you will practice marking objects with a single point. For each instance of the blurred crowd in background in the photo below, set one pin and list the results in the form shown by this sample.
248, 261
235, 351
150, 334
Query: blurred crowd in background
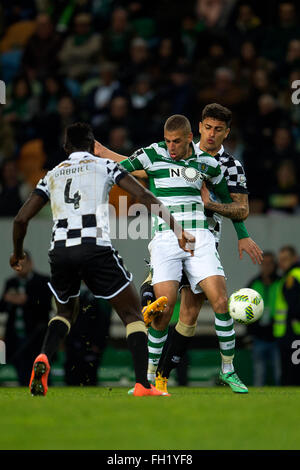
125, 66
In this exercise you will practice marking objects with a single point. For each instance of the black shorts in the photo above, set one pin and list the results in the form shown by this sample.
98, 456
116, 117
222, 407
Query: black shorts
184, 282
100, 267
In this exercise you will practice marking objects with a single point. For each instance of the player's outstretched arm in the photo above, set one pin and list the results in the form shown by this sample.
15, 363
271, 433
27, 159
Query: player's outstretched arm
185, 239
29, 209
104, 152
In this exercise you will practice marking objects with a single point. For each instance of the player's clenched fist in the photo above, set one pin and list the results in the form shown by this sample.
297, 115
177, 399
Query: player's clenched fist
187, 242
15, 262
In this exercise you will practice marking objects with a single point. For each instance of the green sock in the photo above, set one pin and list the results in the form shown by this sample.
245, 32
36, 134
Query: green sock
226, 336
156, 341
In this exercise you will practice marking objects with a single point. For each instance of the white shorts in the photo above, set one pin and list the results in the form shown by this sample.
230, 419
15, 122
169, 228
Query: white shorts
168, 259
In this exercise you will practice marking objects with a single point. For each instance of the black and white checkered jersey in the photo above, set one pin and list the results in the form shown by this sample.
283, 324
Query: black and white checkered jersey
234, 174
78, 189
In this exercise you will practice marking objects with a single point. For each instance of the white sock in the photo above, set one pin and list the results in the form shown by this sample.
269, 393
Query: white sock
227, 367
151, 372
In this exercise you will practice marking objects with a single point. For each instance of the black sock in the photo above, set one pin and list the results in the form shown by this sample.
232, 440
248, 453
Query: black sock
177, 348
137, 344
56, 332
165, 348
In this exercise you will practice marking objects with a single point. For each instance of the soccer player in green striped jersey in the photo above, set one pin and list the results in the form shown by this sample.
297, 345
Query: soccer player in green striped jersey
214, 128
176, 169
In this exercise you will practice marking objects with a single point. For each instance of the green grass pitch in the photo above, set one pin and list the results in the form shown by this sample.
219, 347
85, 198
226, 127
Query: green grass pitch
192, 418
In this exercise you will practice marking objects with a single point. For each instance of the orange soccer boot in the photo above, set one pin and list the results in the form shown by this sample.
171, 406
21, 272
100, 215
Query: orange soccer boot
140, 391
154, 309
39, 377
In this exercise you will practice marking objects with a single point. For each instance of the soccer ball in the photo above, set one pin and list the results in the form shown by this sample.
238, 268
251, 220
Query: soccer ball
246, 306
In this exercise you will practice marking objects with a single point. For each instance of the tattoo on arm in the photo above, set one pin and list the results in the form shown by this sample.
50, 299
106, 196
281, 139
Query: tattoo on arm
237, 210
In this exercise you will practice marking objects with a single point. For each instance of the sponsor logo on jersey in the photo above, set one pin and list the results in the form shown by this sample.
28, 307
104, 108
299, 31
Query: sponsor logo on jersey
242, 181
176, 359
86, 161
190, 174
64, 164
136, 154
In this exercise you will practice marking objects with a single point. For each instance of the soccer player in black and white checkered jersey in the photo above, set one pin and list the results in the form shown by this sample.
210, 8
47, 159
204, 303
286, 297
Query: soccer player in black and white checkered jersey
81, 249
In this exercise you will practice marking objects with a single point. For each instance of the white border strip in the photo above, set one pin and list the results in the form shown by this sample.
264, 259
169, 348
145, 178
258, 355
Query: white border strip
122, 269
225, 333
154, 350
156, 340
58, 299
116, 293
223, 323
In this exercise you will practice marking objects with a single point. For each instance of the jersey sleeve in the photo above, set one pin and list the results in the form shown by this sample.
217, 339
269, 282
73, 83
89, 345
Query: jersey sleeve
222, 191
235, 177
42, 188
115, 171
212, 174
139, 160
210, 169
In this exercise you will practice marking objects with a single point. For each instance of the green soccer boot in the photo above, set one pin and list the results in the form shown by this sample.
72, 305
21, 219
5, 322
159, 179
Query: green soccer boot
231, 379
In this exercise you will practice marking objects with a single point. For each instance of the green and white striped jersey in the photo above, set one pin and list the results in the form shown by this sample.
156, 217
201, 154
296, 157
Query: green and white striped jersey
177, 184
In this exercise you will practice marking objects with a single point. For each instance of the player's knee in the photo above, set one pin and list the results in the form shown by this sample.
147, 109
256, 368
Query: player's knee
189, 315
131, 316
221, 304
168, 312
68, 315
68, 311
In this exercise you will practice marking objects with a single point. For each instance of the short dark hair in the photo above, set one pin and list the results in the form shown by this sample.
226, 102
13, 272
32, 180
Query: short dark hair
79, 136
217, 111
178, 121
291, 249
